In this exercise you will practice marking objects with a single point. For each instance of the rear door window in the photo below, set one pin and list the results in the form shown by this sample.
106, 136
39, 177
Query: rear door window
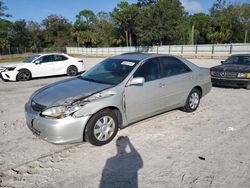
173, 66
59, 58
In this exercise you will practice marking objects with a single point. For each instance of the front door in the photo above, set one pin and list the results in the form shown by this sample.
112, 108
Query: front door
142, 101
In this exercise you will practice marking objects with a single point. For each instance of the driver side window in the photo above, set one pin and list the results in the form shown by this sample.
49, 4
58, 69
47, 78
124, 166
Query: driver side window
149, 70
45, 59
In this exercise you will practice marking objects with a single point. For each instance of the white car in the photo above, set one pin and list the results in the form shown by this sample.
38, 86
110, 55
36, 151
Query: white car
42, 66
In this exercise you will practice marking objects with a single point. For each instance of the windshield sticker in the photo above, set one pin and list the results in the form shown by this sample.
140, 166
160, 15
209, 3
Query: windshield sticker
128, 63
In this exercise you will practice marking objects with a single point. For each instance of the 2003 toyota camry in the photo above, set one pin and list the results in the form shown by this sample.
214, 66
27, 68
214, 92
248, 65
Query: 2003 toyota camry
113, 94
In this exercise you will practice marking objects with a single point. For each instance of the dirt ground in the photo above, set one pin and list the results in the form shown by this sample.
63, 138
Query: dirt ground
207, 148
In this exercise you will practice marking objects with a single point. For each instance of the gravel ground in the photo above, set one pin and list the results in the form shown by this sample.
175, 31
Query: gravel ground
207, 148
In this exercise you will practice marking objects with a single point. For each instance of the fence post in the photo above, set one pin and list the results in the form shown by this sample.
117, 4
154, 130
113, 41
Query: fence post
212, 51
231, 49
196, 50
182, 50
169, 49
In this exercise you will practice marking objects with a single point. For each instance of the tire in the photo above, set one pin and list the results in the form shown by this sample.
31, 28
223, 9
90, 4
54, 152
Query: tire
23, 75
248, 87
72, 70
98, 132
192, 101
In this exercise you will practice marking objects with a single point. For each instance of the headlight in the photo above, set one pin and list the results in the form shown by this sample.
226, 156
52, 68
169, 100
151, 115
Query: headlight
59, 112
10, 68
100, 95
243, 75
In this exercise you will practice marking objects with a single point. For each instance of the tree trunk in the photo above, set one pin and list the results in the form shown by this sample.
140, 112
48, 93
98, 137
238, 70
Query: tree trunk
126, 32
245, 39
130, 38
192, 35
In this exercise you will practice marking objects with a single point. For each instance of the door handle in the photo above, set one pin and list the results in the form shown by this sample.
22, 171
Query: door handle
190, 77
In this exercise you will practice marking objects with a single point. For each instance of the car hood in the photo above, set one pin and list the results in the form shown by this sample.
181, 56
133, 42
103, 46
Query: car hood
232, 68
14, 64
67, 91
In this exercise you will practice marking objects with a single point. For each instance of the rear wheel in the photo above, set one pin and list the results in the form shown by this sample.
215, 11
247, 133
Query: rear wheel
72, 70
192, 101
102, 127
248, 86
23, 75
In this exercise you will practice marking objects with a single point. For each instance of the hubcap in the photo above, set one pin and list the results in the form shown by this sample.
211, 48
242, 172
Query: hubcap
194, 100
72, 71
104, 128
25, 75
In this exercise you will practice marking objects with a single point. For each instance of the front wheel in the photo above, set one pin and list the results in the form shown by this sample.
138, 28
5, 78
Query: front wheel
192, 101
72, 70
102, 127
23, 75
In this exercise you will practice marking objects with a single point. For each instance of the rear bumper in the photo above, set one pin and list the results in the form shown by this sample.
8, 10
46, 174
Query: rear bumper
230, 82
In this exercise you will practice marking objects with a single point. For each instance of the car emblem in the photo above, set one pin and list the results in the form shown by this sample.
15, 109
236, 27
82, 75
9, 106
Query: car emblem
222, 74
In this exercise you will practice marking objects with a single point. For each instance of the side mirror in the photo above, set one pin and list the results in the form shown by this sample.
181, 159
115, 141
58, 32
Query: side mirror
222, 62
38, 62
136, 81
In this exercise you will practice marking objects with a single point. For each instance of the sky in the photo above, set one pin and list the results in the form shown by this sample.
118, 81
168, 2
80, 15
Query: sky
37, 10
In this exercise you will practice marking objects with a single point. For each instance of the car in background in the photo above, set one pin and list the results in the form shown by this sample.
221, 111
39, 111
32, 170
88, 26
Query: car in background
113, 94
234, 72
41, 66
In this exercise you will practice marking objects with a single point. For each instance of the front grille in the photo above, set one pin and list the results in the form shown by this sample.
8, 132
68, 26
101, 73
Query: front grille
225, 74
37, 107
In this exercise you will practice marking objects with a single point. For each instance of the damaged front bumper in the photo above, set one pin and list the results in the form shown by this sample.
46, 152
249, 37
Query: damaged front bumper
57, 131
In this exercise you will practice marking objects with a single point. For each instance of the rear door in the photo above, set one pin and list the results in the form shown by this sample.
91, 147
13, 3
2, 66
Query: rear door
178, 80
144, 100
60, 64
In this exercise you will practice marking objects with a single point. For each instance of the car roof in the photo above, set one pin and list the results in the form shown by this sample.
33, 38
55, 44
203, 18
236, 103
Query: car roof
136, 56
51, 54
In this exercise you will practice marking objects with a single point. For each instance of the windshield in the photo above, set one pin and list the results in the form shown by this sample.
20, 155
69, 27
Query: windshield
30, 59
110, 71
243, 60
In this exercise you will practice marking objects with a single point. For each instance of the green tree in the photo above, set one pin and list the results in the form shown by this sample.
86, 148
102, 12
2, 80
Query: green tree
200, 22
37, 37
83, 29
3, 8
124, 15
162, 23
19, 35
220, 28
57, 31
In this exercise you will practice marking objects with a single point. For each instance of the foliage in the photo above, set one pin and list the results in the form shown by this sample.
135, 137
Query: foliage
145, 23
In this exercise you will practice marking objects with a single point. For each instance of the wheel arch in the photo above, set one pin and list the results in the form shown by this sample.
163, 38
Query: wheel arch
200, 89
112, 108
20, 69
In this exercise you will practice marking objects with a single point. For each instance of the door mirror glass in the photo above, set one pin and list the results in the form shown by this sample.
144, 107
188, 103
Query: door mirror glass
138, 81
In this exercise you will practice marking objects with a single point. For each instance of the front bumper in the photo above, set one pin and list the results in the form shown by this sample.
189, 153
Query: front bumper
230, 82
8, 75
56, 131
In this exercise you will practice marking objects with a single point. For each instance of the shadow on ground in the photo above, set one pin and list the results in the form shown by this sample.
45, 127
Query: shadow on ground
122, 169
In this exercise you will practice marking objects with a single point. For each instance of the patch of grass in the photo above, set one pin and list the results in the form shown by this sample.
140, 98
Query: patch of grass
13, 59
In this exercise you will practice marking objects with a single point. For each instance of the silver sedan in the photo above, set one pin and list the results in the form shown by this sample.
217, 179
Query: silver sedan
113, 94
